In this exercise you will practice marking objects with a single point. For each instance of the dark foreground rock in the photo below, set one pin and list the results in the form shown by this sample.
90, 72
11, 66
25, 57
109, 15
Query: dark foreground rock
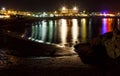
19, 46
70, 65
101, 51
22, 47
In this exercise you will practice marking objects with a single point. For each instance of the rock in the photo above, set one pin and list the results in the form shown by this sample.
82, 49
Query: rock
101, 50
112, 46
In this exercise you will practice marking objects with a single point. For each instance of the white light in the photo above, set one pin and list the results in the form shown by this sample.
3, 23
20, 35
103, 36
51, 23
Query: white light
75, 8
33, 15
51, 15
3, 8
7, 16
44, 14
29, 14
1, 16
63, 8
36, 16
4, 16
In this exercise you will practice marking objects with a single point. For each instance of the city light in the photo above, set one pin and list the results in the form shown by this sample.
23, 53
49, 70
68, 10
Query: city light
106, 14
44, 14
51, 15
75, 8
3, 8
62, 12
4, 16
63, 8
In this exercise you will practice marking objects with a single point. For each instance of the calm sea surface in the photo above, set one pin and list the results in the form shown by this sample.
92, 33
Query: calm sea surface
67, 31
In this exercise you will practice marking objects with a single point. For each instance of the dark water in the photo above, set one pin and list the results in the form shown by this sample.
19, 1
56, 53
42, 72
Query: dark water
64, 31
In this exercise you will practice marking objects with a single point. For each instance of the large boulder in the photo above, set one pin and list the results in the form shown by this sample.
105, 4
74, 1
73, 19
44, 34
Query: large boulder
95, 51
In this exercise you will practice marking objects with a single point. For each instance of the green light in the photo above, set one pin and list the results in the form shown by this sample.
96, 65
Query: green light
50, 31
44, 31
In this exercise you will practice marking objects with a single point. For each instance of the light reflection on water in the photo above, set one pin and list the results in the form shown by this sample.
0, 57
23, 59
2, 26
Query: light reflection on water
106, 25
90, 28
75, 29
44, 31
83, 30
50, 37
118, 24
65, 31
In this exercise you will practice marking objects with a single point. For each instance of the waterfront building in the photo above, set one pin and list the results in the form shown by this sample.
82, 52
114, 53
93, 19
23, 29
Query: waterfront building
68, 12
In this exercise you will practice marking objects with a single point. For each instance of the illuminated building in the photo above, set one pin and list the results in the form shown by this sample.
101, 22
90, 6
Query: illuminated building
68, 12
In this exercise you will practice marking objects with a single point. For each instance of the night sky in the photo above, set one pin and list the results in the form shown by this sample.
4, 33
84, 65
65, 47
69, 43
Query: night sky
51, 5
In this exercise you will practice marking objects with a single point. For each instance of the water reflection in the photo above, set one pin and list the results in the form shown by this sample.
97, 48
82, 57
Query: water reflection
44, 31
118, 24
106, 25
50, 33
90, 29
66, 31
83, 30
75, 31
63, 31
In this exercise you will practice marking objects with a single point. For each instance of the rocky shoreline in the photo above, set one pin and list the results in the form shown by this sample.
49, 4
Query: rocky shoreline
101, 50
